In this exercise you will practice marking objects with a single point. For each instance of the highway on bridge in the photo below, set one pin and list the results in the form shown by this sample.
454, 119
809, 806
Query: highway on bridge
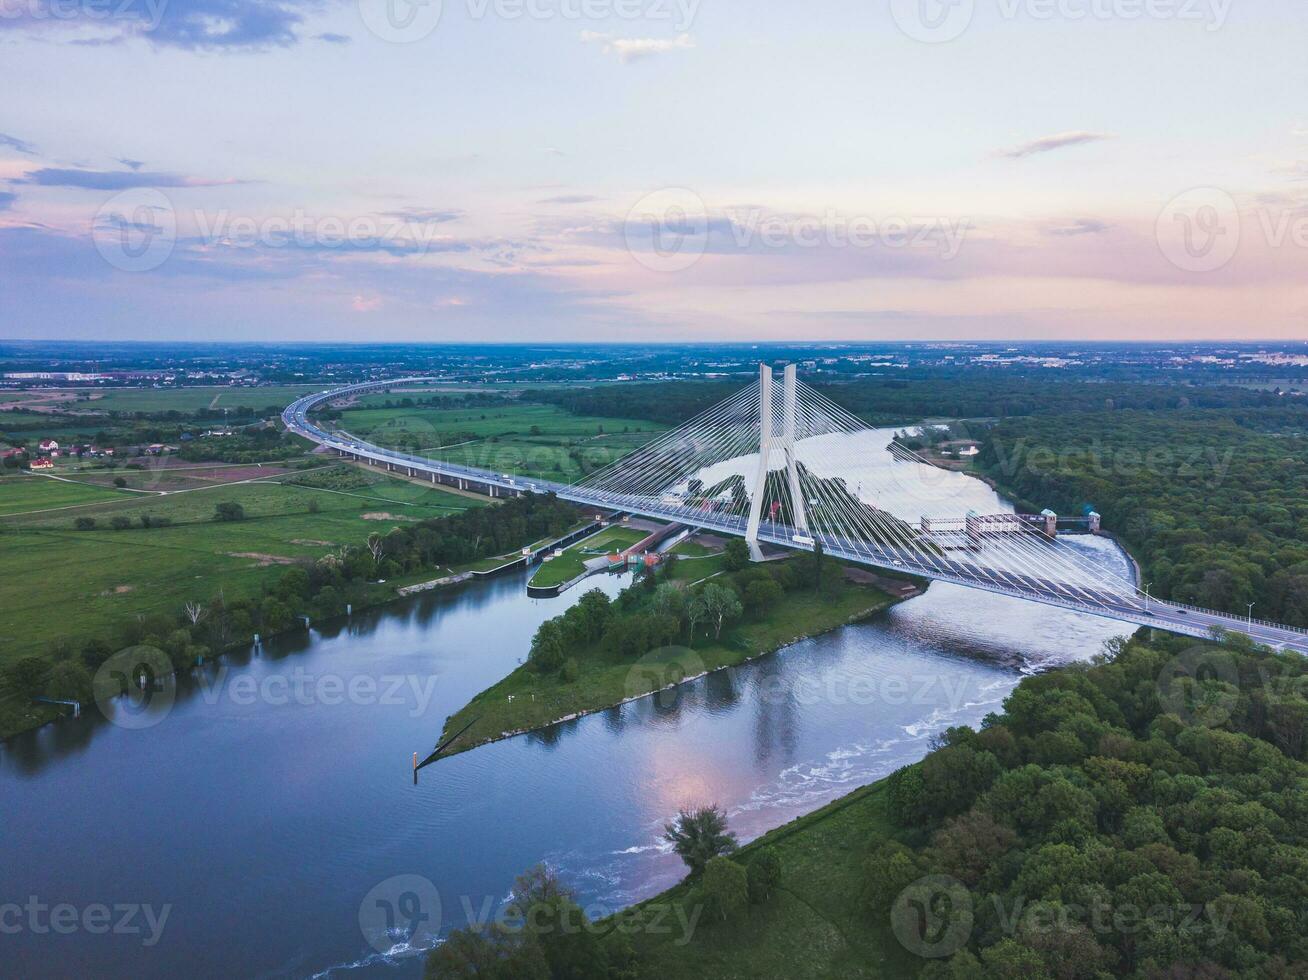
1169, 616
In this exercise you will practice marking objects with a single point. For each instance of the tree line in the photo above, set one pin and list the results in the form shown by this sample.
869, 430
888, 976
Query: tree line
1140, 817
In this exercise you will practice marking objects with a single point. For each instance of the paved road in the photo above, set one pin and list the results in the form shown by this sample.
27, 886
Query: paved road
1124, 606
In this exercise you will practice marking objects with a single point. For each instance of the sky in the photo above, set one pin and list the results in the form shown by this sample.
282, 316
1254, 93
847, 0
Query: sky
653, 170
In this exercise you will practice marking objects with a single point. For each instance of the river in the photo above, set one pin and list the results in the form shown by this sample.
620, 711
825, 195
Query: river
256, 821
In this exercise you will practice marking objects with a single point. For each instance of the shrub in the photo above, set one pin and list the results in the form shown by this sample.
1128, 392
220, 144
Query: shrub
229, 511
120, 523
69, 681
726, 888
84, 524
571, 670
27, 677
763, 876
120, 482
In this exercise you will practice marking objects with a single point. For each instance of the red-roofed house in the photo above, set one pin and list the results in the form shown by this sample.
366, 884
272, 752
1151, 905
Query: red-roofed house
41, 463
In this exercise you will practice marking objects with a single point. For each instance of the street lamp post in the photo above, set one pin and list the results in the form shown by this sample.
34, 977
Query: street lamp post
1146, 591
1251, 605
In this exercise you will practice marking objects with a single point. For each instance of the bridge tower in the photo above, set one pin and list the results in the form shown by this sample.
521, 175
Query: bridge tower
788, 445
764, 455
765, 443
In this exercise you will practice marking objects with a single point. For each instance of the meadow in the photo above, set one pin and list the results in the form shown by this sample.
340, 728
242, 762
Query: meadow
59, 581
527, 439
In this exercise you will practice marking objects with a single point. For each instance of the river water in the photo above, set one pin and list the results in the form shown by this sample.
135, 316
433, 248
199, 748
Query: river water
262, 817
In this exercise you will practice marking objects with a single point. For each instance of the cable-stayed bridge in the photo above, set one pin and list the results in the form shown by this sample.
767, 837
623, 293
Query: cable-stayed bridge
782, 465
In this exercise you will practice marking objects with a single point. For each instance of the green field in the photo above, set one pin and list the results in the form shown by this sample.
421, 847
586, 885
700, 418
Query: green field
215, 399
23, 494
572, 562
530, 440
58, 581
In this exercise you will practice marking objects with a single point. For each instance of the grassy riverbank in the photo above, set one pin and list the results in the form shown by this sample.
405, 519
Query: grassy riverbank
528, 699
1125, 818
815, 926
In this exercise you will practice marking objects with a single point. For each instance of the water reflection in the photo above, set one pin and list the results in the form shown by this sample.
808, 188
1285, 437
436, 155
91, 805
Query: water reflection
265, 825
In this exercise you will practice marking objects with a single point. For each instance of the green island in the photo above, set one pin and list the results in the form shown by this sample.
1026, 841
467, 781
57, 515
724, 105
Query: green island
694, 614
1141, 816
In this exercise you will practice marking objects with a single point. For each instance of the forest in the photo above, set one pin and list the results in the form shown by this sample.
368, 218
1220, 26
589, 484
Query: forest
1215, 511
1144, 817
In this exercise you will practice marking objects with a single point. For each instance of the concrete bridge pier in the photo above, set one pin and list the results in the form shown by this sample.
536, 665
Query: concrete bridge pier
1096, 522
1051, 523
972, 524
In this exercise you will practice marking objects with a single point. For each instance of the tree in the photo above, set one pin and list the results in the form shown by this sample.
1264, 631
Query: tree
668, 600
726, 887
70, 681
27, 677
720, 604
487, 954
85, 524
699, 835
764, 875
120, 523
547, 647
229, 511
120, 482
762, 594
735, 555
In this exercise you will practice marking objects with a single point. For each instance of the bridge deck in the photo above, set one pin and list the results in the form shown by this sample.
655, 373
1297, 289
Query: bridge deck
1169, 616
